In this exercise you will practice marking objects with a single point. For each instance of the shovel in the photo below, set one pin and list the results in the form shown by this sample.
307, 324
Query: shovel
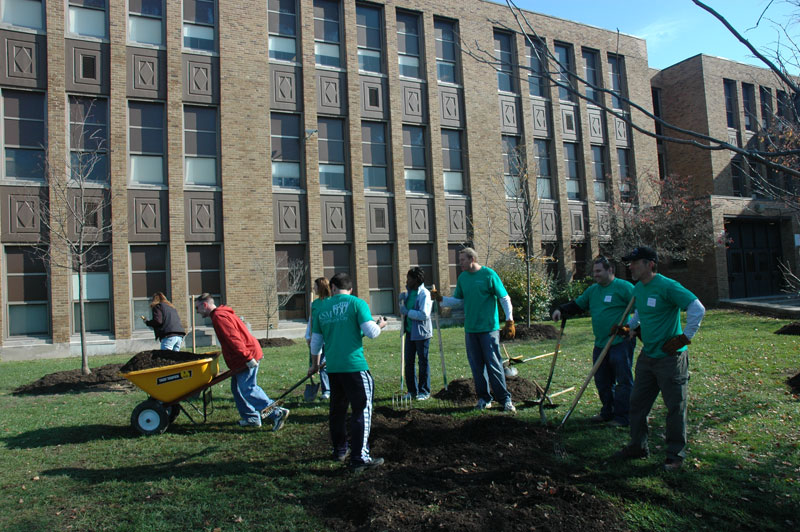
310, 392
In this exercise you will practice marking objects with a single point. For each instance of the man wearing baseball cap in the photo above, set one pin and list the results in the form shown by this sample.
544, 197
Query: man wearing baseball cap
663, 363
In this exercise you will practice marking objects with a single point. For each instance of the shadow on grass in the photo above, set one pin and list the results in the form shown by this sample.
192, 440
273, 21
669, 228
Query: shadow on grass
68, 435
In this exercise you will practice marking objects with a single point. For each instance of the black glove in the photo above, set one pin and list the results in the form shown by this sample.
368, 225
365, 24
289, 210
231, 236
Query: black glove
569, 309
672, 345
620, 330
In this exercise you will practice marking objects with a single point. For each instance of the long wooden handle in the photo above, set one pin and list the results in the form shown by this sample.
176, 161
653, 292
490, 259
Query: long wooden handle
439, 333
542, 415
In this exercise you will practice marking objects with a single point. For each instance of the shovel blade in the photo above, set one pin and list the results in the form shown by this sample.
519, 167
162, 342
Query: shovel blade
310, 393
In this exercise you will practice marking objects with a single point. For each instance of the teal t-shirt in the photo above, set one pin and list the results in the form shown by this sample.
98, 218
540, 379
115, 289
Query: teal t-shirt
659, 304
606, 305
480, 291
338, 319
410, 300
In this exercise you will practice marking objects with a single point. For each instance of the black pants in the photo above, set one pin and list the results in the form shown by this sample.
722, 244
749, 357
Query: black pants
355, 390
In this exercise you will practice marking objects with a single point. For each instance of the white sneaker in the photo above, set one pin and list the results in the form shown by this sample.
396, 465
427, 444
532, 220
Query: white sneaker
423, 397
483, 405
325, 396
279, 421
509, 407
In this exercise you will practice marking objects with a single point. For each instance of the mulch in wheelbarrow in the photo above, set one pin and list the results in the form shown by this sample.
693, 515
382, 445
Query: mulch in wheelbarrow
158, 358
463, 390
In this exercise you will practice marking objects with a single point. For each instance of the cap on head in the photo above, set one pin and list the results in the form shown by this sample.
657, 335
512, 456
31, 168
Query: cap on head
642, 252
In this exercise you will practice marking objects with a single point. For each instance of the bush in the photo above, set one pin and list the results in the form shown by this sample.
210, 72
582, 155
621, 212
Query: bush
511, 269
566, 292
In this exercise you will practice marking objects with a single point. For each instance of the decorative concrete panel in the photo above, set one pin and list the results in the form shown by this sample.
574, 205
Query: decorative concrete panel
329, 92
373, 97
621, 132
549, 222
22, 208
87, 67
147, 216
380, 219
596, 129
516, 220
450, 104
457, 220
577, 222
336, 219
291, 223
569, 122
285, 93
147, 73
420, 221
203, 216
603, 223
541, 119
96, 221
23, 63
200, 79
414, 103
509, 114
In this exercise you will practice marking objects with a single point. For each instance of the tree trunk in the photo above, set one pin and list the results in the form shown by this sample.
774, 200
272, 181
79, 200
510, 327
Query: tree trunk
84, 355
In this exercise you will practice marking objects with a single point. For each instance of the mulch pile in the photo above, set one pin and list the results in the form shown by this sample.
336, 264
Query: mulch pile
794, 383
158, 358
792, 328
275, 342
462, 391
536, 331
490, 472
103, 379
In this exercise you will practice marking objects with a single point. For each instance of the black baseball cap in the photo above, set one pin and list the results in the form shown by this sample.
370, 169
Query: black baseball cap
642, 252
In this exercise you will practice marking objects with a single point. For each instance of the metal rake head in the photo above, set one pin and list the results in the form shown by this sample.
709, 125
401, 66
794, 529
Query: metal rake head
401, 401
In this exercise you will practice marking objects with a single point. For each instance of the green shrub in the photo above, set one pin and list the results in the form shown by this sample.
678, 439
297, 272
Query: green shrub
511, 269
566, 292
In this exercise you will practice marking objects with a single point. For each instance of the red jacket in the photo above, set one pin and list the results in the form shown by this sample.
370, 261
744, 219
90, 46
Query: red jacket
238, 345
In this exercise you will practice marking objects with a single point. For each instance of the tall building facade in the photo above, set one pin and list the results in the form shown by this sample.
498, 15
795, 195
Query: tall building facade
238, 141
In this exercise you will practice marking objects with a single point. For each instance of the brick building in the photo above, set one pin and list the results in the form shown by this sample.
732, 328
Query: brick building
241, 137
732, 102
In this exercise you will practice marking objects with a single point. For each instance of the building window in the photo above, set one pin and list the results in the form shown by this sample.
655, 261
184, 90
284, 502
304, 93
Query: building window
96, 292
537, 63
564, 77
335, 259
290, 272
370, 38
599, 168
286, 153
749, 104
785, 108
282, 16
656, 95
421, 255
541, 156
765, 94
88, 139
414, 160
453, 266
452, 161
572, 168
579, 264
730, 102
504, 54
200, 145
204, 268
27, 289
199, 23
616, 63
408, 45
24, 134
626, 184
549, 251
373, 151
331, 154
87, 18
146, 23
327, 33
148, 276
446, 70
23, 13
512, 166
146, 143
591, 75
381, 278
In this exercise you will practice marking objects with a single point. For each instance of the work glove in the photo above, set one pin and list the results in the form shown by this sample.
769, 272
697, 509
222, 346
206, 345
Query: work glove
620, 330
436, 296
569, 309
509, 331
672, 345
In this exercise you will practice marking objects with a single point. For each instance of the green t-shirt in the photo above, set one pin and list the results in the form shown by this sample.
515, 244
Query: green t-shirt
410, 300
480, 291
659, 304
338, 318
606, 305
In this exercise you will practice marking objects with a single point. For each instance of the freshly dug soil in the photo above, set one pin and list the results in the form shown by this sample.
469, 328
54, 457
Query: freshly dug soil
102, 379
490, 472
275, 342
462, 391
158, 358
794, 383
792, 328
537, 331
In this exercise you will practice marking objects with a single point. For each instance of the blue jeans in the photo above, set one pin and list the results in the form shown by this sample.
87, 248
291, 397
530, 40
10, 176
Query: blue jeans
250, 399
172, 343
614, 380
323, 374
417, 348
483, 354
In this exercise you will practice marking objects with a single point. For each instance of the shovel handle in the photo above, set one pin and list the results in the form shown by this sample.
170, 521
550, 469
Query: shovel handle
439, 333
552, 369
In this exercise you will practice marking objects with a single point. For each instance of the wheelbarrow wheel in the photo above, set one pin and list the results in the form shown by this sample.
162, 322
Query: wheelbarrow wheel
150, 417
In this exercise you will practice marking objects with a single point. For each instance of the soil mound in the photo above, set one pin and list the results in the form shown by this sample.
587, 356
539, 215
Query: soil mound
537, 331
792, 328
158, 358
102, 379
490, 472
275, 342
794, 383
462, 391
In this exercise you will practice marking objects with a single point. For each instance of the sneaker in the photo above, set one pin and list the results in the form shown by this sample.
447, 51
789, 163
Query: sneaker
598, 419
360, 467
673, 464
629, 451
325, 396
617, 424
341, 457
483, 405
267, 411
280, 420
249, 423
509, 407
423, 397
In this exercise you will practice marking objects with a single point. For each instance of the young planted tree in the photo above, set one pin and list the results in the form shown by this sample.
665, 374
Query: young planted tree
280, 286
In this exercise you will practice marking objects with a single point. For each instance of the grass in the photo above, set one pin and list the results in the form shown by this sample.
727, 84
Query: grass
72, 461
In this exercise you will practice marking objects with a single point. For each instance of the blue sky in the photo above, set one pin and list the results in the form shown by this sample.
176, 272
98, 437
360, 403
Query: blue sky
677, 29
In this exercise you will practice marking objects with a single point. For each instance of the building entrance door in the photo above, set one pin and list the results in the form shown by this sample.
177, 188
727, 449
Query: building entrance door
753, 258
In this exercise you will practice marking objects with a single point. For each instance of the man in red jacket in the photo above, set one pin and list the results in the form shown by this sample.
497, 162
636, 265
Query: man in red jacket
242, 352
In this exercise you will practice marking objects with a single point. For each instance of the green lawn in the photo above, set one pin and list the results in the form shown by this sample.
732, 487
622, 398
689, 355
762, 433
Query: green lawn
73, 462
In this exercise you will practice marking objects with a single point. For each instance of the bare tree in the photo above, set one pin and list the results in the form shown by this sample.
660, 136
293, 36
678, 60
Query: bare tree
77, 218
281, 286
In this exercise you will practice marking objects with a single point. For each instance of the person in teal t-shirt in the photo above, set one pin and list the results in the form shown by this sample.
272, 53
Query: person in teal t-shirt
337, 323
479, 289
416, 305
606, 300
663, 364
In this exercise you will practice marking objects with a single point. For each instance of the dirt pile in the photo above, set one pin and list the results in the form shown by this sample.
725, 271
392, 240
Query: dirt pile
791, 328
794, 383
491, 472
102, 379
158, 358
462, 391
275, 342
536, 331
